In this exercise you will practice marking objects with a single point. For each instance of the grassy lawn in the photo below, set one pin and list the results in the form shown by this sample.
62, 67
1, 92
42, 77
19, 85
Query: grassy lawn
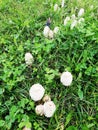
75, 50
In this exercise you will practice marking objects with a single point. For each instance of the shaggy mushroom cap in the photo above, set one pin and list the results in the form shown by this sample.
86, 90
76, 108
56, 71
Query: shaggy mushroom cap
46, 31
66, 20
62, 4
81, 12
46, 98
56, 29
73, 24
73, 17
56, 7
51, 34
39, 110
66, 78
36, 92
29, 58
49, 108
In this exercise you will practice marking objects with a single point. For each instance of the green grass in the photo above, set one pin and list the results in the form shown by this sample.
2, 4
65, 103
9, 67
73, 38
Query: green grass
21, 30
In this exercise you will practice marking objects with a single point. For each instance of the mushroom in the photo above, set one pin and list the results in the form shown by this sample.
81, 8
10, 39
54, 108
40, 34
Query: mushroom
29, 58
56, 29
66, 78
39, 110
46, 98
36, 92
46, 31
49, 108
81, 12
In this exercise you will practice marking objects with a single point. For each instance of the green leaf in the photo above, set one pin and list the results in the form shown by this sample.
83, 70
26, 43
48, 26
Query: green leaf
80, 94
1, 91
68, 118
85, 128
40, 129
22, 124
32, 104
13, 110
71, 128
2, 123
90, 125
26, 123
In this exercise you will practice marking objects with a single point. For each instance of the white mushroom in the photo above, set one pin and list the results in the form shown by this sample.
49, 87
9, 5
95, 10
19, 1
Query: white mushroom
62, 4
39, 110
36, 92
49, 108
29, 58
73, 17
73, 24
46, 98
81, 12
46, 31
66, 20
56, 29
51, 34
56, 7
66, 78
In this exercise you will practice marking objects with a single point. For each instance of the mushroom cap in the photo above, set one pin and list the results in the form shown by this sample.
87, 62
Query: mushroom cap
36, 92
81, 12
29, 58
46, 31
56, 29
39, 109
74, 24
73, 17
66, 78
51, 34
46, 98
62, 4
56, 7
49, 108
66, 20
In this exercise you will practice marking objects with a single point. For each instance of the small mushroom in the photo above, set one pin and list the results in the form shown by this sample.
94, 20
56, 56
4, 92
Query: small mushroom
39, 110
46, 31
29, 58
66, 78
81, 12
51, 34
46, 98
56, 29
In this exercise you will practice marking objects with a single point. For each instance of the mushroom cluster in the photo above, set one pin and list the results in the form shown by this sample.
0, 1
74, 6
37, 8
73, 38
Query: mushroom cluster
44, 105
75, 21
48, 33
56, 6
47, 107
